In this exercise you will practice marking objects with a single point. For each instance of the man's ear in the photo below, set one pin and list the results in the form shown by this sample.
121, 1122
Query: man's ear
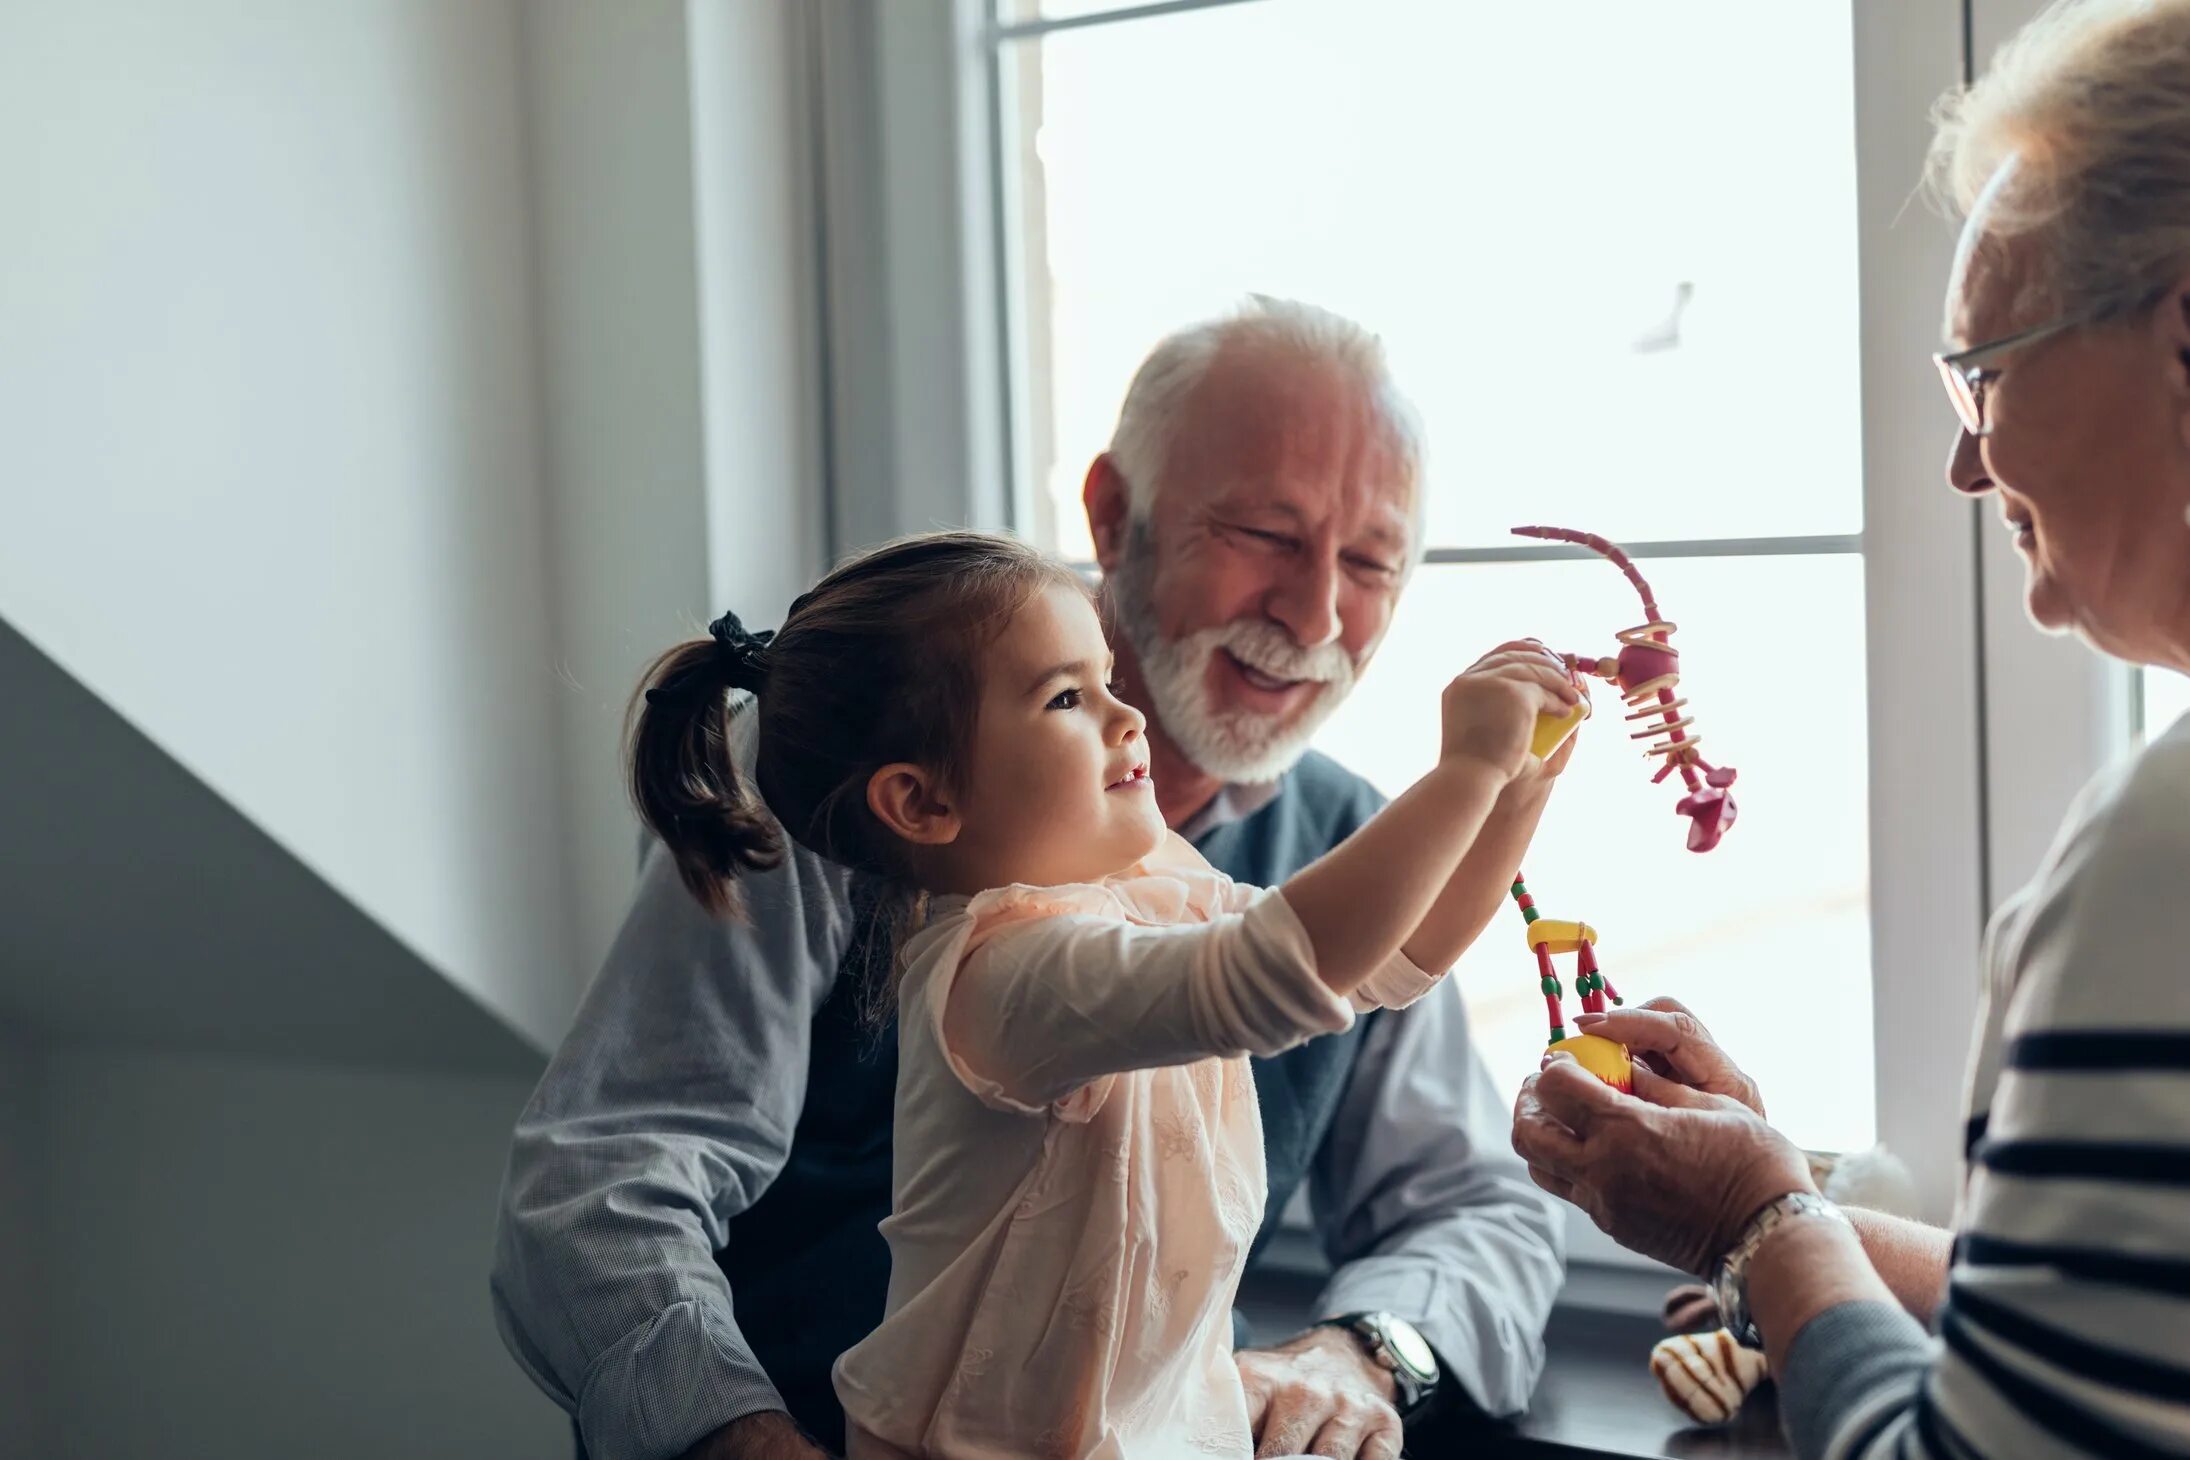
908, 801
1109, 504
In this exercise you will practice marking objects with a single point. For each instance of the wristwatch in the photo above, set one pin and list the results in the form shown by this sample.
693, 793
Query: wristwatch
1397, 1347
1731, 1285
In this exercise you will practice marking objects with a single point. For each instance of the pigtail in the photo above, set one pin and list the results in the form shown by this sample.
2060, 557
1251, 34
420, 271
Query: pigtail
684, 779
879, 662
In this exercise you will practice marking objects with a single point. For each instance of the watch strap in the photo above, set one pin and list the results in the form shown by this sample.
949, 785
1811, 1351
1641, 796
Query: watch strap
1373, 1331
1731, 1284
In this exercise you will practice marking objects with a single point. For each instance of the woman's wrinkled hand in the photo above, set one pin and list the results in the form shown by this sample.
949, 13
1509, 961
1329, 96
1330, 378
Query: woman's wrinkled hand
1662, 1034
1671, 1172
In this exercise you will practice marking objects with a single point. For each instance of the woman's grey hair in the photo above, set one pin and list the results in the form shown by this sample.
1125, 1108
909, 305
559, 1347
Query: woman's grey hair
1156, 400
2092, 100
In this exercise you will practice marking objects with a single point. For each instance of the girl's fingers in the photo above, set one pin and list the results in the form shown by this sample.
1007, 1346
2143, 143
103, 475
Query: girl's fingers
1554, 682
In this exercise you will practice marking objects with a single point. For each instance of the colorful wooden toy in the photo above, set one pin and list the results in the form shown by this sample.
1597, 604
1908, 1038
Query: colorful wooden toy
1647, 672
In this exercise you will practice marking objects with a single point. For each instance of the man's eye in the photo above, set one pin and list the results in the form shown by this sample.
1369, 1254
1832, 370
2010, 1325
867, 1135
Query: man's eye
1263, 537
1374, 568
1067, 699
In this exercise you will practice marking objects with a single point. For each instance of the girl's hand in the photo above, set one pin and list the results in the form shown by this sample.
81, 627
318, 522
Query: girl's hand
1490, 711
1556, 762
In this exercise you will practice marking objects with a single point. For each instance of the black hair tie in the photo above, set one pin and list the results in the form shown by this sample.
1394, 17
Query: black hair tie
741, 655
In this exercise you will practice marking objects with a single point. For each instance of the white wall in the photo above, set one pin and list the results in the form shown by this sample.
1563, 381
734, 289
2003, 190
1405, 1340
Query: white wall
250, 1259
759, 305
22, 1310
380, 385
676, 363
618, 287
268, 459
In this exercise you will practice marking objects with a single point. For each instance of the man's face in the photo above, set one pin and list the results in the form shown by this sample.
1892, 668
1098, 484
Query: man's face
1266, 572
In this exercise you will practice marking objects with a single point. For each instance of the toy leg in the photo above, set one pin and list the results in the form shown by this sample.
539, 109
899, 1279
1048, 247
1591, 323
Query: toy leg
1553, 995
1591, 984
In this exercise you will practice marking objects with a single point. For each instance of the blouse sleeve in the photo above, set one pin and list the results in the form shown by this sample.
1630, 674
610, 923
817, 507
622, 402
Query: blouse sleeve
1040, 1009
1396, 983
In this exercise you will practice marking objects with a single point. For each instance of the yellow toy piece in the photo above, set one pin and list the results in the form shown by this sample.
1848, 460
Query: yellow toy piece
1552, 730
1603, 1058
1556, 936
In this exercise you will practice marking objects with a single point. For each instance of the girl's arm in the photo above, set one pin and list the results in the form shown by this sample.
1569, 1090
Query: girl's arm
1471, 898
1044, 1008
1047, 1008
1371, 895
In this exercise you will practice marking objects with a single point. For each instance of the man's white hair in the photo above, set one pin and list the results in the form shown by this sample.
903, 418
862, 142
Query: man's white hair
2092, 101
1238, 746
1155, 402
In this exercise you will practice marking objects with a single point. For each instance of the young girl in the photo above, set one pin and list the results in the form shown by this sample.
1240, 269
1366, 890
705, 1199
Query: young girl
1078, 1149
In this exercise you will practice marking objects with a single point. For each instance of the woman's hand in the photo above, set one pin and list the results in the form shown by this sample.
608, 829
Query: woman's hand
1670, 1172
1672, 1042
1489, 713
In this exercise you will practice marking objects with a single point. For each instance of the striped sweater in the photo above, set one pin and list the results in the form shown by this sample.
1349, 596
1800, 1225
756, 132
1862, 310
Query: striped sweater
2066, 1325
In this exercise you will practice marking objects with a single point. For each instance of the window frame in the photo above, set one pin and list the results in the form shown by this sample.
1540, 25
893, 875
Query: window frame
1979, 729
2056, 711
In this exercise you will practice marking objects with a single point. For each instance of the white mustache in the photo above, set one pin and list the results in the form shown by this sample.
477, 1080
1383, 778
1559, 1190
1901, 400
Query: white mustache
1268, 649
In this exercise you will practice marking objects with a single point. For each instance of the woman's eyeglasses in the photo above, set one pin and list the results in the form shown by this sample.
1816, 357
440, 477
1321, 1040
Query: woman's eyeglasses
1969, 374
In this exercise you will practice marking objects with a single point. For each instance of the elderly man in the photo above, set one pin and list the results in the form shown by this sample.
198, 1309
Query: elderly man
717, 1125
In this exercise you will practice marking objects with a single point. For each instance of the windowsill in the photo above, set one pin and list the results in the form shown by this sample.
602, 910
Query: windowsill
1600, 1277
1597, 1397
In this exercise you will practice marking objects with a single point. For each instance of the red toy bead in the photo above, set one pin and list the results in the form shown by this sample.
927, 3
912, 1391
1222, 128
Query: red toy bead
1638, 665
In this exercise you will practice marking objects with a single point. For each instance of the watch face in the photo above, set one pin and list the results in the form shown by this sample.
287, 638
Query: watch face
1409, 1348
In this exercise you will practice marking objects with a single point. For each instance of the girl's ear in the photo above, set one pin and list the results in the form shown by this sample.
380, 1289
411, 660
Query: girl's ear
906, 799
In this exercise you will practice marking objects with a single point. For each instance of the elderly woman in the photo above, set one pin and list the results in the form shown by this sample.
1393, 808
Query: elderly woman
2065, 1304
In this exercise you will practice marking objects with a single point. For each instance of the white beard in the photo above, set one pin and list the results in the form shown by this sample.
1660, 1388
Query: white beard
1235, 746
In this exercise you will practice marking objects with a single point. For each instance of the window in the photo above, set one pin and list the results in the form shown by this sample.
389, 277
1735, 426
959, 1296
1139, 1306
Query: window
1654, 271
2164, 697
1587, 301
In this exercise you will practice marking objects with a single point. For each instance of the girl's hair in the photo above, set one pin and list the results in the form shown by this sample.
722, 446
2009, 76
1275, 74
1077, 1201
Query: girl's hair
878, 663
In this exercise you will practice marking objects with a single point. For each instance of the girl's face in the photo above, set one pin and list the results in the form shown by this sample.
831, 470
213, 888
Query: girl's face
1056, 788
